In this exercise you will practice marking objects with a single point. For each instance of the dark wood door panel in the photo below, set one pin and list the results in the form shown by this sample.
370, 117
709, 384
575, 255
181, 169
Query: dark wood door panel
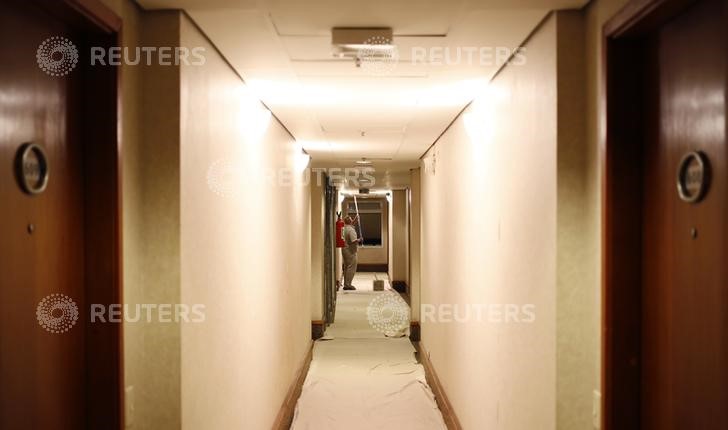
665, 261
42, 374
684, 353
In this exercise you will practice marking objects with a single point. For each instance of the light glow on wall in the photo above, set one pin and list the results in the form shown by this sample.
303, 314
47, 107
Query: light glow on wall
452, 94
301, 158
255, 118
479, 119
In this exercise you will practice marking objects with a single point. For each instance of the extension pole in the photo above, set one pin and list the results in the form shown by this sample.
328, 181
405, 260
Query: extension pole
358, 219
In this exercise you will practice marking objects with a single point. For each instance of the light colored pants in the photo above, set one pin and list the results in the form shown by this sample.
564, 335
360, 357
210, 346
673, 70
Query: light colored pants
349, 266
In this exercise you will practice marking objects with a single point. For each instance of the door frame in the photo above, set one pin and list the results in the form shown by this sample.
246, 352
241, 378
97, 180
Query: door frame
102, 152
621, 148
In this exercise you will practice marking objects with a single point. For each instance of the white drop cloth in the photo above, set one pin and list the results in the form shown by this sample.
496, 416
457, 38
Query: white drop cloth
363, 380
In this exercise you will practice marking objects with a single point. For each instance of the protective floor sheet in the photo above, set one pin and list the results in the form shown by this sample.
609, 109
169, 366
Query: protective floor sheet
364, 380
352, 319
364, 281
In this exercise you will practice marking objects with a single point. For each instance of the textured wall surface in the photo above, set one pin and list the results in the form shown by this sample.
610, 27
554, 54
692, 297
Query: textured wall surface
246, 254
489, 238
317, 249
415, 241
238, 254
398, 253
151, 218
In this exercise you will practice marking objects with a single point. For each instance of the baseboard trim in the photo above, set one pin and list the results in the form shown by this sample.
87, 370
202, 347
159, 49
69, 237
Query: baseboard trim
318, 327
415, 331
284, 419
448, 413
372, 268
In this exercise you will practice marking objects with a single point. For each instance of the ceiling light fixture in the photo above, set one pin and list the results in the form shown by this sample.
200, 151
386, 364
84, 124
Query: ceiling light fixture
349, 41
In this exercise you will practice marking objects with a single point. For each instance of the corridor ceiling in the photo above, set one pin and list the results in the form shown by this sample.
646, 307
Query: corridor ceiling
340, 112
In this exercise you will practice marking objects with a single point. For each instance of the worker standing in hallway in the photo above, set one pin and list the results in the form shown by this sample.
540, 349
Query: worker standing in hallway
349, 251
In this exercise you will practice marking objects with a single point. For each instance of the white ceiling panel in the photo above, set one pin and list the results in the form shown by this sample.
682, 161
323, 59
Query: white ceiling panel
406, 17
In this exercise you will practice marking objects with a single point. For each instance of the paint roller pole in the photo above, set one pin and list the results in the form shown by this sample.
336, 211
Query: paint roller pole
358, 220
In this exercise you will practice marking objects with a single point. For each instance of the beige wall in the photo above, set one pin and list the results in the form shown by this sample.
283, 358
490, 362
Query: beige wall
577, 346
579, 213
390, 242
576, 294
595, 16
317, 249
339, 259
398, 237
151, 226
157, 349
234, 369
241, 255
489, 237
415, 240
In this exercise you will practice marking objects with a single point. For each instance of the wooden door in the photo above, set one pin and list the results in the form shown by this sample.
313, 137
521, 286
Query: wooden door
665, 244
42, 252
59, 248
685, 260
